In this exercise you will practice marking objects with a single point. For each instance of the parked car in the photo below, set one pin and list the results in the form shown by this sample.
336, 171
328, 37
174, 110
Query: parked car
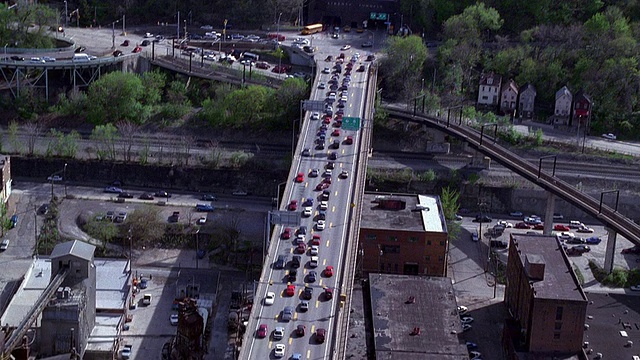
632, 250
516, 214
204, 207
146, 196
522, 225
560, 227
287, 312
585, 229
594, 240
209, 197
112, 190
126, 351
609, 136
4, 245
474, 236
483, 218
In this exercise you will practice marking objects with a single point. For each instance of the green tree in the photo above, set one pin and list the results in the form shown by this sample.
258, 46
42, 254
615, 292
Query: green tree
105, 138
105, 231
402, 66
154, 83
117, 96
144, 225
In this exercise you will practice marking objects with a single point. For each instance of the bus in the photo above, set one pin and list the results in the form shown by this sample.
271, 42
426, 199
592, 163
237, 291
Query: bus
251, 56
312, 29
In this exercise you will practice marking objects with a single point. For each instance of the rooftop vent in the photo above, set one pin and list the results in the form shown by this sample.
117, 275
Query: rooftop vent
534, 266
392, 204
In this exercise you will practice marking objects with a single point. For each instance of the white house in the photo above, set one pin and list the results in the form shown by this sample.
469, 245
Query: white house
508, 97
489, 89
563, 106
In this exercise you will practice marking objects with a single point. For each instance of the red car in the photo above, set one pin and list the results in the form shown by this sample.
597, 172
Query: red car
341, 56
538, 227
523, 225
338, 123
322, 186
300, 177
262, 331
293, 205
631, 250
315, 240
328, 272
349, 140
301, 249
291, 290
336, 132
560, 227
286, 234
280, 69
137, 49
262, 65
328, 293
326, 120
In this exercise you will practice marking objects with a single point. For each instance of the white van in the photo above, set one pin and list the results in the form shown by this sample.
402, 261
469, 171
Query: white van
81, 58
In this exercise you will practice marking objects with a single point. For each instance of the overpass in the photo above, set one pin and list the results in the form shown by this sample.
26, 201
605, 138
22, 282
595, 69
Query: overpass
617, 223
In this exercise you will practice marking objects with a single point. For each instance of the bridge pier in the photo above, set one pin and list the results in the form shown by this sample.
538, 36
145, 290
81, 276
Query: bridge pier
548, 214
610, 251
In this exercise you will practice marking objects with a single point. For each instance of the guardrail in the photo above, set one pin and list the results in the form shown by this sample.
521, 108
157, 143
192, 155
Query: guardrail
67, 62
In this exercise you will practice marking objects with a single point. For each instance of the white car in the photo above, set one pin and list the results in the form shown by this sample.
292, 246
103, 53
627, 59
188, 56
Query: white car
315, 116
466, 319
326, 70
202, 220
462, 309
328, 173
565, 235
322, 85
345, 47
585, 229
4, 245
54, 178
324, 205
307, 211
279, 350
278, 333
148, 35
313, 250
505, 224
313, 262
635, 288
609, 136
474, 236
270, 298
344, 174
174, 319
320, 225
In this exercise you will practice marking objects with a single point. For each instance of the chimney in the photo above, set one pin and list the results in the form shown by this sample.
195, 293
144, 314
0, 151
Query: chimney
534, 266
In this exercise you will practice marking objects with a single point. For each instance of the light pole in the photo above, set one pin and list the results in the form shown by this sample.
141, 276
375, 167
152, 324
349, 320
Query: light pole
5, 49
278, 46
64, 178
113, 34
66, 14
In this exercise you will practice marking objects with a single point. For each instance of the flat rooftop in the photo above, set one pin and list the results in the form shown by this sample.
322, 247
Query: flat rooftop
558, 282
35, 281
421, 213
434, 312
613, 320
104, 334
112, 283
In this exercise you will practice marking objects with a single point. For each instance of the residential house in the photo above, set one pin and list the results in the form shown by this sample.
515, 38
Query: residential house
527, 101
509, 97
489, 90
581, 109
403, 234
562, 112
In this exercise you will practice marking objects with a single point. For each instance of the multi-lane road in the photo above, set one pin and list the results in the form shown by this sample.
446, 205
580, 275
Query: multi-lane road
322, 310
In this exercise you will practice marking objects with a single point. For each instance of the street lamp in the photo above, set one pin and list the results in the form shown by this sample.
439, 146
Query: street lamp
66, 14
278, 46
113, 33
64, 179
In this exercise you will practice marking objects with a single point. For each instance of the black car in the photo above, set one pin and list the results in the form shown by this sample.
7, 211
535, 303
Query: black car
145, 43
162, 193
295, 261
43, 209
307, 293
17, 58
80, 49
146, 196
282, 260
209, 197
125, 195
483, 219
117, 53
575, 240
293, 273
333, 156
330, 165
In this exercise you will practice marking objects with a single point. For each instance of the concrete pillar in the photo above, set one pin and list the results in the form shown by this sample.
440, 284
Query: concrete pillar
611, 250
548, 214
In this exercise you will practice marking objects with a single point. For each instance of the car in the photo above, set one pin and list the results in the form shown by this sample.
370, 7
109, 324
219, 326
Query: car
270, 298
609, 136
315, 240
48, 59
483, 219
126, 352
475, 355
4, 245
291, 290
471, 345
278, 350
209, 197
594, 240
173, 319
125, 195
371, 57
162, 193
204, 207
301, 248
299, 177
532, 220
302, 230
136, 49
522, 225
575, 240
333, 156
308, 210
287, 313
326, 70
304, 306
286, 234
145, 43
278, 333
560, 227
306, 152
345, 47
146, 299
202, 220
280, 262
632, 250
125, 43
78, 50
263, 65
313, 262
322, 86
54, 178
517, 214
474, 236
296, 356
312, 276
573, 252
293, 205
239, 193
334, 35
344, 174
328, 271
538, 227
43, 209
635, 287
505, 224
321, 335
466, 319
349, 140
565, 235
328, 293
575, 224
324, 205
112, 190
582, 248
315, 116
17, 58
466, 327
320, 225
367, 44
557, 216
325, 195
361, 68
462, 309
313, 250
307, 293
585, 229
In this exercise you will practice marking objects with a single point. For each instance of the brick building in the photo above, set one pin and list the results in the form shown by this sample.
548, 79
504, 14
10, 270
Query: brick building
403, 234
544, 297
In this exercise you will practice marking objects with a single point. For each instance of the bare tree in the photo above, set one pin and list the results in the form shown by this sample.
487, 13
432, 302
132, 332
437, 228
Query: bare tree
34, 130
187, 143
128, 132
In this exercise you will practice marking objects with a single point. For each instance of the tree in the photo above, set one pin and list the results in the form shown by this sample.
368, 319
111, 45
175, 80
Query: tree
117, 96
105, 137
34, 130
154, 83
128, 132
402, 66
144, 226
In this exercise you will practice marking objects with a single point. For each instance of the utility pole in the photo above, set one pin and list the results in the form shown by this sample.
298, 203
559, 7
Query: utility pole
178, 26
66, 14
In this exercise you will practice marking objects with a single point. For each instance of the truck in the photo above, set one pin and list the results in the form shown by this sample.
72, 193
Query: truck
146, 299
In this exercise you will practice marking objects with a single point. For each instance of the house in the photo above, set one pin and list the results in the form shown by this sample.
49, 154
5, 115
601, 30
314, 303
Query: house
527, 101
403, 234
489, 90
508, 97
581, 109
545, 299
563, 106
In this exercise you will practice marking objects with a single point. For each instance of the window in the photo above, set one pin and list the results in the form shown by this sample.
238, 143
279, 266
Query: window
428, 242
441, 258
558, 326
556, 336
442, 243
427, 258
413, 239
559, 313
393, 238
370, 236
390, 249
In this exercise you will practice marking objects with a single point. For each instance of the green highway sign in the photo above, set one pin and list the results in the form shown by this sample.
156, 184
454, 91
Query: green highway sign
351, 123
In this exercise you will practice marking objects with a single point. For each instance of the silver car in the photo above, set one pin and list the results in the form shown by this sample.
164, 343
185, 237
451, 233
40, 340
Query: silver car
287, 313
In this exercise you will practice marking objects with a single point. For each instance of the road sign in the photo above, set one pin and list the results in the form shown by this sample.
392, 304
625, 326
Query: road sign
286, 218
312, 105
351, 123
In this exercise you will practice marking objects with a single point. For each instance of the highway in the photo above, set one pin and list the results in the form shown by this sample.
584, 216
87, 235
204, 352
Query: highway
322, 310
